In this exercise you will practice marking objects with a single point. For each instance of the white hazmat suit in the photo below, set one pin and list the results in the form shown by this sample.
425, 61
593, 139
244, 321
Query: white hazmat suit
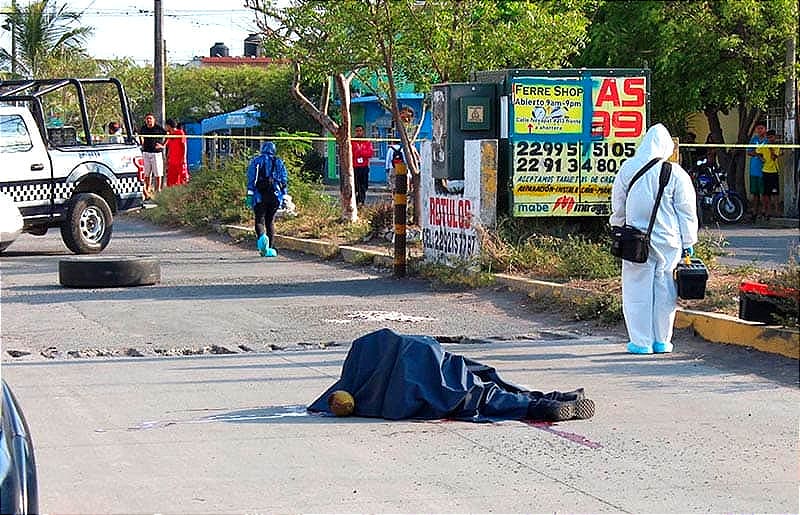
649, 292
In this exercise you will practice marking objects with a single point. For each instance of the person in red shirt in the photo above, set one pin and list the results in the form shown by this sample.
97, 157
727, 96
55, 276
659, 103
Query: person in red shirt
362, 153
177, 170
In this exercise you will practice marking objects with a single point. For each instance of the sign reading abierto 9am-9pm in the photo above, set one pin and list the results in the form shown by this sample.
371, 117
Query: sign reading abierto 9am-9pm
569, 132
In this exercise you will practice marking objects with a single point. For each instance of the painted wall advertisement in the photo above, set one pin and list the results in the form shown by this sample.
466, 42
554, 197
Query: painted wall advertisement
569, 136
453, 211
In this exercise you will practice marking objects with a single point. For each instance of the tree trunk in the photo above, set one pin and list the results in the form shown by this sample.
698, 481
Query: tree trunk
346, 175
341, 133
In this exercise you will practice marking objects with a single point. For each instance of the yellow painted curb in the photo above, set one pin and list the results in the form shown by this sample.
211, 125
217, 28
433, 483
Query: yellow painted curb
712, 327
719, 328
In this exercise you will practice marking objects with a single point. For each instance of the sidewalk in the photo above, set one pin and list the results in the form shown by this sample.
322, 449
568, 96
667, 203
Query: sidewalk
713, 327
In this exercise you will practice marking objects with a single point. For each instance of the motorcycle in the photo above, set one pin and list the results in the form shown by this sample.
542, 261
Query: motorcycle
713, 194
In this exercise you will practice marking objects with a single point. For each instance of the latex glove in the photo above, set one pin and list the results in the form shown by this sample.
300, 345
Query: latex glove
688, 252
249, 201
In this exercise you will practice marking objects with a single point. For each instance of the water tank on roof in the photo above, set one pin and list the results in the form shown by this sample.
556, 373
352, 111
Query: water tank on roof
219, 50
252, 45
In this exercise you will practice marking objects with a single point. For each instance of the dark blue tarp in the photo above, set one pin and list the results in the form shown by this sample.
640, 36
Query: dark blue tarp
397, 376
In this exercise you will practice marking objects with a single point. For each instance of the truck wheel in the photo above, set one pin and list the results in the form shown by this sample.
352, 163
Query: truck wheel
108, 272
87, 229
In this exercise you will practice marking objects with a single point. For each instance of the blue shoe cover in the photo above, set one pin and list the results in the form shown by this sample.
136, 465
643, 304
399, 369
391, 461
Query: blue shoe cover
637, 349
661, 347
262, 244
271, 253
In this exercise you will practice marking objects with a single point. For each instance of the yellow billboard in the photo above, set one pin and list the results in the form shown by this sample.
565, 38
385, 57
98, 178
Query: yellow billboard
565, 165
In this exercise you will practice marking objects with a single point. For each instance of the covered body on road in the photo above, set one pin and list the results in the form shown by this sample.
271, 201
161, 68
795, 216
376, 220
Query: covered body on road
395, 377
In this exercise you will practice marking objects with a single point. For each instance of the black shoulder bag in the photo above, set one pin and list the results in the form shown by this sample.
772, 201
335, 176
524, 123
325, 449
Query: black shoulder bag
264, 179
628, 242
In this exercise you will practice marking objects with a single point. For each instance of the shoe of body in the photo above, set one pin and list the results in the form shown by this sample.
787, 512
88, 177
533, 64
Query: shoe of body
562, 396
550, 410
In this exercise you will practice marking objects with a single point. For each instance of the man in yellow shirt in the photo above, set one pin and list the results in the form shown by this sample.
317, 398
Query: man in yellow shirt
771, 176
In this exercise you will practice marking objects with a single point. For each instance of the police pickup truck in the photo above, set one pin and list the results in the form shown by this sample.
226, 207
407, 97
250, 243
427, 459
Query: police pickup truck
62, 177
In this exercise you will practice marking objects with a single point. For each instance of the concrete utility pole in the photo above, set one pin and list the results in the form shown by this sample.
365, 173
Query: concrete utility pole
158, 64
9, 26
790, 176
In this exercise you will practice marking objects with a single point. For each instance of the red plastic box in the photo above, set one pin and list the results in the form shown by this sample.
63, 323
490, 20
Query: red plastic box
759, 302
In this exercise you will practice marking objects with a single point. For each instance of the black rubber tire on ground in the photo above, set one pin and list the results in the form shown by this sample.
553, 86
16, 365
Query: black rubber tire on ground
87, 229
730, 210
108, 272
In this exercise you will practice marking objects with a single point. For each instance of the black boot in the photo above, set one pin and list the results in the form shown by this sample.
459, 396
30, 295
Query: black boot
551, 410
574, 395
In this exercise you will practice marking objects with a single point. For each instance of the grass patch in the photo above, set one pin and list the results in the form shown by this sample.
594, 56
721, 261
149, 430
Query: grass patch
556, 252
462, 275
604, 307
214, 195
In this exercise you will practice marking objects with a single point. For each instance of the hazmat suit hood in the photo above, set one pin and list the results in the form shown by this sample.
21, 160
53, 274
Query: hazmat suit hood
657, 143
268, 148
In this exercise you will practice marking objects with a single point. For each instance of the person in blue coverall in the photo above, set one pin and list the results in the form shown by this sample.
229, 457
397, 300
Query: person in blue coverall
266, 186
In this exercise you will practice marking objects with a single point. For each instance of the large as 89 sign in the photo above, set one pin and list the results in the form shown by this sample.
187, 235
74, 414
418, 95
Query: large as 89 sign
618, 107
618, 122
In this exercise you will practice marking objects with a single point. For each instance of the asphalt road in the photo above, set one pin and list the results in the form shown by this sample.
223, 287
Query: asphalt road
760, 245
708, 428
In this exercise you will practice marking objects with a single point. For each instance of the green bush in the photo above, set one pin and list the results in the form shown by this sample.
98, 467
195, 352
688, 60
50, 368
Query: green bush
215, 194
212, 195
550, 249
584, 259
709, 247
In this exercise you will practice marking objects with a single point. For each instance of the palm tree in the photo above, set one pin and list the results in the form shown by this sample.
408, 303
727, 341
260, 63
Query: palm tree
43, 31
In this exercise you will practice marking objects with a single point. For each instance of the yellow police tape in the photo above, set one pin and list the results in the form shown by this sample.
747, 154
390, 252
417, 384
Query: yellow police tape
736, 145
257, 138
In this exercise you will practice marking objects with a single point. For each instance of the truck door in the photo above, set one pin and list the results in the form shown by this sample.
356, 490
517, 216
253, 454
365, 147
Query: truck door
26, 173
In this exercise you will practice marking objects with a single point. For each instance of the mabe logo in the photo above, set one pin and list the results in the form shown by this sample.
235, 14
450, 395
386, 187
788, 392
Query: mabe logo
566, 202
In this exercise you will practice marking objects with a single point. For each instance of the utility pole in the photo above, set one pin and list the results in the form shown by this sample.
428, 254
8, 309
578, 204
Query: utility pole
158, 64
9, 26
791, 179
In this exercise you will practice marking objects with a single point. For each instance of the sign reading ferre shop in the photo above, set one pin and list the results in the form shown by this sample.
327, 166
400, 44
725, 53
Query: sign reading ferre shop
569, 133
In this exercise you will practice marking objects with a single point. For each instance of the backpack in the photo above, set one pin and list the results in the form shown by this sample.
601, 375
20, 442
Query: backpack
264, 179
